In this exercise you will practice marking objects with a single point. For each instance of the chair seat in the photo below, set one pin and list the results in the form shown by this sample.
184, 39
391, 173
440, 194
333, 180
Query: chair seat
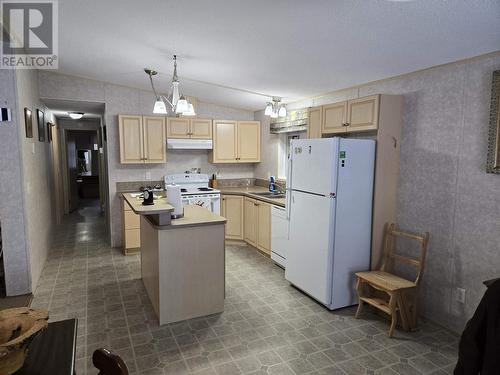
385, 280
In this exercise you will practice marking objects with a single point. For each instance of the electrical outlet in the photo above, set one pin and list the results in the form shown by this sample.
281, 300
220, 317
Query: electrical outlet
148, 176
461, 295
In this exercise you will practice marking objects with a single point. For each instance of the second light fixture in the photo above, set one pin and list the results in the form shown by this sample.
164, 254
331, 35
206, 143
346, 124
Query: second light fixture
275, 109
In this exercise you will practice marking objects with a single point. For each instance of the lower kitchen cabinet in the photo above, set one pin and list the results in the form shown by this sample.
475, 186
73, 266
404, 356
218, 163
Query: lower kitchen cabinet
232, 210
257, 224
250, 221
131, 230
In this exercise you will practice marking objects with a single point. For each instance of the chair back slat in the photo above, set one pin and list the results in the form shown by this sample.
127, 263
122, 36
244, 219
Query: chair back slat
390, 257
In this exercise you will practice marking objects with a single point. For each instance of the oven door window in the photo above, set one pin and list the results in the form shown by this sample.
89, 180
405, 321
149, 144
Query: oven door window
202, 202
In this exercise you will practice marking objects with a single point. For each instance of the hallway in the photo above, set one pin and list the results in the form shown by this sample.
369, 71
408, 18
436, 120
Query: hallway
268, 327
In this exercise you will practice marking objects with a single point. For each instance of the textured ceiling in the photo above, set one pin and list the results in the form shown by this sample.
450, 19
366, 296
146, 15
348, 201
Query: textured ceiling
293, 49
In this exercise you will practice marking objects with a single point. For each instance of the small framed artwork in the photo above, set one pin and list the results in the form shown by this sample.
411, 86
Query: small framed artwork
49, 131
41, 127
28, 123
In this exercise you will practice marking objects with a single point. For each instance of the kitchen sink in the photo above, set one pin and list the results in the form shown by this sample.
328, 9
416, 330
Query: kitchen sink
270, 195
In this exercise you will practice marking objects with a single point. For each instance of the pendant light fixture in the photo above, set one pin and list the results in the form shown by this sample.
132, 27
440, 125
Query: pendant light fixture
177, 103
275, 109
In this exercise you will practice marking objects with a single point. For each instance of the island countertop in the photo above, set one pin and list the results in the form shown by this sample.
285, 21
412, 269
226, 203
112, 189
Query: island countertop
160, 206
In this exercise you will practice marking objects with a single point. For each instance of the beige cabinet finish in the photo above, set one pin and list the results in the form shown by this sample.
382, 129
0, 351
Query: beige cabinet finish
315, 122
232, 210
200, 128
131, 139
225, 142
131, 230
264, 227
334, 118
250, 221
186, 128
178, 128
236, 142
142, 139
363, 114
154, 140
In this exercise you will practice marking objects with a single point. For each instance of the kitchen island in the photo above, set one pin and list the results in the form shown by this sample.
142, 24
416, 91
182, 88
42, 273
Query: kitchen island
182, 260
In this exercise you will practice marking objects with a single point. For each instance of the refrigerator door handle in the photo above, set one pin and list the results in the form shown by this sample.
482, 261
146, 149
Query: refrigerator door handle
288, 189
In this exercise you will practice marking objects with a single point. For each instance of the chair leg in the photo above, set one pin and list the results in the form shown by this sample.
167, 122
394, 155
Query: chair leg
359, 288
394, 314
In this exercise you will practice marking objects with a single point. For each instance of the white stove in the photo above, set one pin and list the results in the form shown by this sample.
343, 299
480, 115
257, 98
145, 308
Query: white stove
195, 190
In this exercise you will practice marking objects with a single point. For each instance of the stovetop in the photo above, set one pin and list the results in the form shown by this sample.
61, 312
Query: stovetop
194, 183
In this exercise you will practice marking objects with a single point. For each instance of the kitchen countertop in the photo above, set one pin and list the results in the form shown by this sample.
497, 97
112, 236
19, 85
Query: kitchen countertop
248, 190
161, 206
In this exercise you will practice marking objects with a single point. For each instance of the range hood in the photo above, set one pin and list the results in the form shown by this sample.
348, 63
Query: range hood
296, 120
189, 144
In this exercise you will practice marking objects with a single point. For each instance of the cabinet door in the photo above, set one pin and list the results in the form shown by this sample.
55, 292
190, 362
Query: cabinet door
248, 141
131, 139
154, 140
224, 145
232, 210
363, 114
334, 118
201, 129
315, 120
250, 221
178, 128
264, 227
132, 238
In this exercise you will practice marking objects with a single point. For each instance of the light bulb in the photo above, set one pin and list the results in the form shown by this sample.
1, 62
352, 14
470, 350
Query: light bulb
282, 111
190, 111
182, 105
268, 110
75, 115
160, 107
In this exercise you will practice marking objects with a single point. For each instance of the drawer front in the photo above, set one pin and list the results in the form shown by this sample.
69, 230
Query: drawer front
132, 238
132, 220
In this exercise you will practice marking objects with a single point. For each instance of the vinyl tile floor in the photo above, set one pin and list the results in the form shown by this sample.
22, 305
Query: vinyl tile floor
268, 326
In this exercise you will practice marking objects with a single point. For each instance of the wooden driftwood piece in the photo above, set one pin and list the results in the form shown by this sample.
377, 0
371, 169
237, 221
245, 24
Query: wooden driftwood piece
18, 327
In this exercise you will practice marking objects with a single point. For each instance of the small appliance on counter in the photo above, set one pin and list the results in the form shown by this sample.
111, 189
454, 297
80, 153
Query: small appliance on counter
174, 197
272, 184
148, 197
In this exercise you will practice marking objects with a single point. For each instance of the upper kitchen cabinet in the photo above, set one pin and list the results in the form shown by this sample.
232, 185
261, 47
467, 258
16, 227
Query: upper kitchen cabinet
334, 118
315, 121
363, 114
185, 128
142, 139
344, 117
236, 142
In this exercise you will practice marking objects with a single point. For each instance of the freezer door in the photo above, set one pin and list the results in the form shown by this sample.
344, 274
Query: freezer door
314, 165
310, 248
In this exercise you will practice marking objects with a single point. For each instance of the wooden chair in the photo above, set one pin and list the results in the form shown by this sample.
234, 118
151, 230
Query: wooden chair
390, 293
108, 363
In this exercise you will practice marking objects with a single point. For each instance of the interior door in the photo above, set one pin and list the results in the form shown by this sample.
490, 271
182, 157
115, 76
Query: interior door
224, 147
314, 165
248, 141
309, 260
334, 118
154, 140
131, 139
178, 128
201, 129
363, 113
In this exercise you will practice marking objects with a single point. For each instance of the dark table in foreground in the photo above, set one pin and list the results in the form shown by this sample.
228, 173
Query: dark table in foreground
52, 352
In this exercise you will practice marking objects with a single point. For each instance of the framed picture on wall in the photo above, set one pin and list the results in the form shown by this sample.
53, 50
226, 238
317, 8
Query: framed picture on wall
28, 123
41, 127
49, 131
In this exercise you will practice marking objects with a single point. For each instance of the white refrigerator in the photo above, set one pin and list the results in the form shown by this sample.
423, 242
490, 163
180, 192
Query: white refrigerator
329, 206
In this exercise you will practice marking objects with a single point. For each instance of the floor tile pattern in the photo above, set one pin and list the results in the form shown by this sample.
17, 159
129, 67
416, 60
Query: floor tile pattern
268, 327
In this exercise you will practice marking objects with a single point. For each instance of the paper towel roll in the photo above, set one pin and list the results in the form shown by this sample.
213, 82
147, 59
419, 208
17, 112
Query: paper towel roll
175, 199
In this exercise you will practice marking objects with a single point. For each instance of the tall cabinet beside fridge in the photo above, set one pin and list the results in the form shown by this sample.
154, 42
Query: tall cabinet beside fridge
329, 205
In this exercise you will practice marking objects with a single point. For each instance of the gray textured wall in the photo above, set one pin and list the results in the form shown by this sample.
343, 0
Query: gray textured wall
443, 185
125, 100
